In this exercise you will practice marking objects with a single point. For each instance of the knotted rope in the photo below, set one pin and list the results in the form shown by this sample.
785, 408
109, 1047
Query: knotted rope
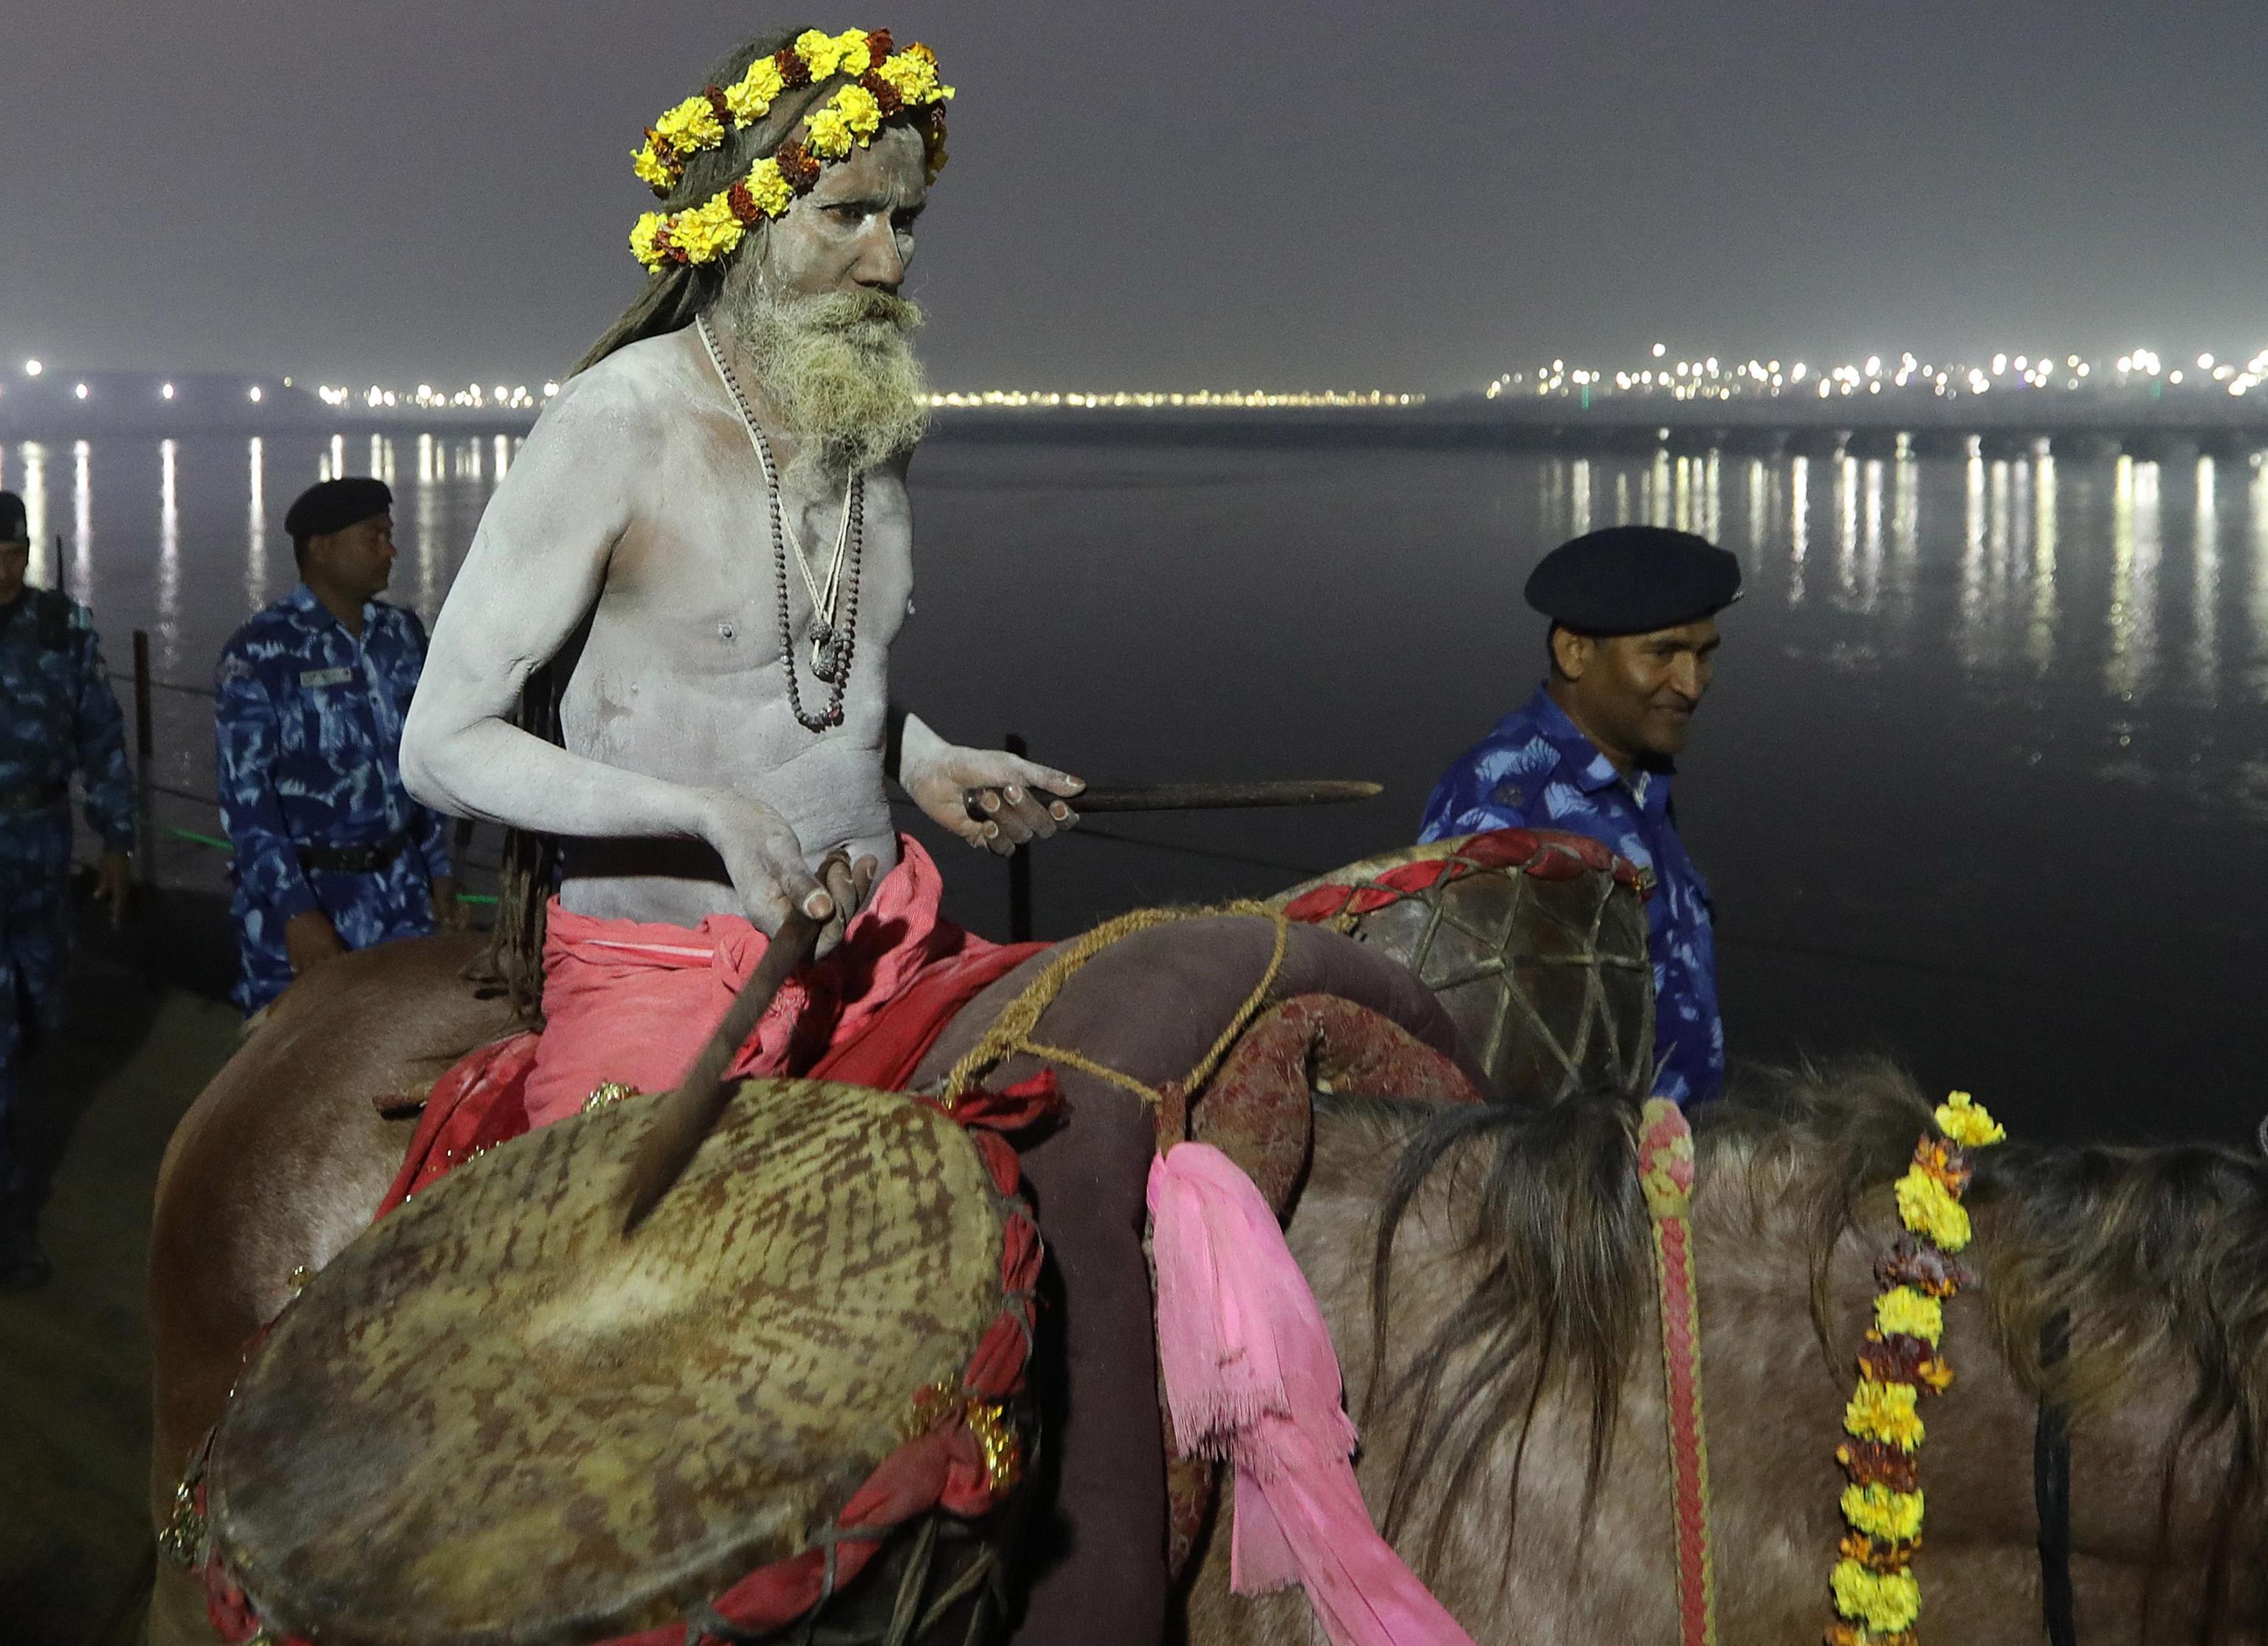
1011, 1033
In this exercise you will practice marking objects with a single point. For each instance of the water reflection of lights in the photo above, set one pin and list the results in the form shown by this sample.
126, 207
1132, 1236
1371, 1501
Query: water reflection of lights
2040, 638
2204, 549
1756, 521
1579, 519
2258, 602
1973, 526
83, 520
426, 518
35, 508
169, 554
2135, 547
255, 531
1870, 554
1847, 540
1798, 525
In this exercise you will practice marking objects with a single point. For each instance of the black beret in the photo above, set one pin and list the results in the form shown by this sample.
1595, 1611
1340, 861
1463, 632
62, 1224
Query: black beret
12, 528
334, 505
1632, 580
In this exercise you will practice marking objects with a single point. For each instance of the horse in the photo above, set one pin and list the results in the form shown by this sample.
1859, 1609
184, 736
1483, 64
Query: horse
285, 1156
1486, 1276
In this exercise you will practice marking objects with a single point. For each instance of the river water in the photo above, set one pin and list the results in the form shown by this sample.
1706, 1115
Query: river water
1983, 783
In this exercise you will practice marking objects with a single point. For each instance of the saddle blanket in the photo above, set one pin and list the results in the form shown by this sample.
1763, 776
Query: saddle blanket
628, 1004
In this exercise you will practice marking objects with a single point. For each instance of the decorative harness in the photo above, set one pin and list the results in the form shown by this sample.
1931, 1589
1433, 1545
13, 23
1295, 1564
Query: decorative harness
1665, 1172
1876, 1596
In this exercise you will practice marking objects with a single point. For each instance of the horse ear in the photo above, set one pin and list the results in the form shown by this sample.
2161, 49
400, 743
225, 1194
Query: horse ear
2260, 1136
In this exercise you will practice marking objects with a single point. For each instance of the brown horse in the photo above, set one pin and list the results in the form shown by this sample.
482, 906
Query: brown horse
1514, 1440
284, 1158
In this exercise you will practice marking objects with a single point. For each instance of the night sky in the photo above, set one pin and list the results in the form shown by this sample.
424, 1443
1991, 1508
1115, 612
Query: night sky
1166, 194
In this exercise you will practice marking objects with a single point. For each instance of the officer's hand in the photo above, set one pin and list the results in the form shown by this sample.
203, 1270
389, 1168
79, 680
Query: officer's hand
764, 859
449, 914
113, 880
309, 939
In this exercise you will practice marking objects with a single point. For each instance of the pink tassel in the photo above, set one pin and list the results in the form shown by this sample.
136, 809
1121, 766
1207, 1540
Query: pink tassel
1251, 1376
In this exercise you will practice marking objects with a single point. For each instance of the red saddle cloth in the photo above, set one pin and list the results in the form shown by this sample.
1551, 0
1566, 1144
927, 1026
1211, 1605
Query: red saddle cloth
631, 1003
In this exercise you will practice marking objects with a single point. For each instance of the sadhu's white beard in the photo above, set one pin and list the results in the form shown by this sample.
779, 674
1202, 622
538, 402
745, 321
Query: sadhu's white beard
839, 369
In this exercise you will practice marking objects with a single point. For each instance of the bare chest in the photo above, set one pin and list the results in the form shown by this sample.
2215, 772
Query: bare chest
724, 575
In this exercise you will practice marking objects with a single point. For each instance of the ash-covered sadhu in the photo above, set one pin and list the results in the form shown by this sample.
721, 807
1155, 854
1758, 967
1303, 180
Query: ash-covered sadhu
668, 648
664, 663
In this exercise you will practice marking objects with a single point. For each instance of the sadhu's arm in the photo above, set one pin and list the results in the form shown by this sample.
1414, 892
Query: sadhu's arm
534, 571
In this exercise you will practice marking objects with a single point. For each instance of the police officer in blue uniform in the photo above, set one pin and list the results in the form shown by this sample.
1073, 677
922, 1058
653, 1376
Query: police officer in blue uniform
57, 716
1632, 638
331, 852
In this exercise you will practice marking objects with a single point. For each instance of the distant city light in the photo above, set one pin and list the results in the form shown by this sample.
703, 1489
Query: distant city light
166, 393
1154, 399
255, 393
1883, 373
1660, 349
80, 391
32, 367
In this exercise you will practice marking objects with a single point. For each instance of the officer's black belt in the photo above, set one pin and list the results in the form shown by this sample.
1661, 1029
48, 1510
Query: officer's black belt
364, 859
37, 797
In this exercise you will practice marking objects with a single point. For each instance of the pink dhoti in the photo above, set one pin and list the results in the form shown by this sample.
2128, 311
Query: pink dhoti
630, 1003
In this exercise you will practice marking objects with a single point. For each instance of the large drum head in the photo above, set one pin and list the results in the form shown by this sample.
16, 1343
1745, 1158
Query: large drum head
1534, 941
491, 1418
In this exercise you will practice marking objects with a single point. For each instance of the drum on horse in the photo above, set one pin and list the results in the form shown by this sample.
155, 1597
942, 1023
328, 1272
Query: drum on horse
280, 1164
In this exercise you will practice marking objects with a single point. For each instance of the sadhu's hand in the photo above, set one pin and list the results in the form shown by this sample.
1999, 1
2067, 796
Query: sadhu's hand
764, 860
991, 797
848, 884
114, 883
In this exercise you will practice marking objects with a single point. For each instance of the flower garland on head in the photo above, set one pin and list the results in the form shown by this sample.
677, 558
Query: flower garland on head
886, 84
1875, 1591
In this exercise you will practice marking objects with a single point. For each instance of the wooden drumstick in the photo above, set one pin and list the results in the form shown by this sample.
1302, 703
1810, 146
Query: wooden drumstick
1222, 796
683, 1117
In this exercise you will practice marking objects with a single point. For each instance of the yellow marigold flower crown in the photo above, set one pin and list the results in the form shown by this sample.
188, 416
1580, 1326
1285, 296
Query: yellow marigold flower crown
886, 85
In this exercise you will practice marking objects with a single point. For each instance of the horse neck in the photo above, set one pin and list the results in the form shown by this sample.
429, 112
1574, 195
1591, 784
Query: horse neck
1506, 1540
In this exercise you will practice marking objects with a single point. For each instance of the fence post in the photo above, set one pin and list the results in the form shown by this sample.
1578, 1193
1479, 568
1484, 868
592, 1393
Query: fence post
145, 743
1020, 870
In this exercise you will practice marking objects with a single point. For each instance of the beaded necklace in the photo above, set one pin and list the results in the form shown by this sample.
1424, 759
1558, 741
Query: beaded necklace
833, 641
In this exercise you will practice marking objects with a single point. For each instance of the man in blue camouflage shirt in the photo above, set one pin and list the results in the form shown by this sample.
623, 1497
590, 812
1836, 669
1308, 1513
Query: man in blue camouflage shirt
1633, 637
331, 852
57, 716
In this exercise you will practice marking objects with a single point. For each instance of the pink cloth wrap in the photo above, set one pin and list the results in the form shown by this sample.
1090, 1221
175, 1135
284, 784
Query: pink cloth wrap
1250, 1375
629, 1001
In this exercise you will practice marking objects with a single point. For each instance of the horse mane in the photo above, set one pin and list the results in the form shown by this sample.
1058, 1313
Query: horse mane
2132, 1261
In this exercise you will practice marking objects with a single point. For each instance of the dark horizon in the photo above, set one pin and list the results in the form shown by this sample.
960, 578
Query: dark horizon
1170, 198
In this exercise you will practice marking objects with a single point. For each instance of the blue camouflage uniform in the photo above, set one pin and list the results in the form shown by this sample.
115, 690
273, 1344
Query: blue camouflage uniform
57, 716
1537, 770
308, 739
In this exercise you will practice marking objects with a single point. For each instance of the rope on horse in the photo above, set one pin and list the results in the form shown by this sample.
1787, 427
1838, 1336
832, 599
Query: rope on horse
1665, 1171
1011, 1032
